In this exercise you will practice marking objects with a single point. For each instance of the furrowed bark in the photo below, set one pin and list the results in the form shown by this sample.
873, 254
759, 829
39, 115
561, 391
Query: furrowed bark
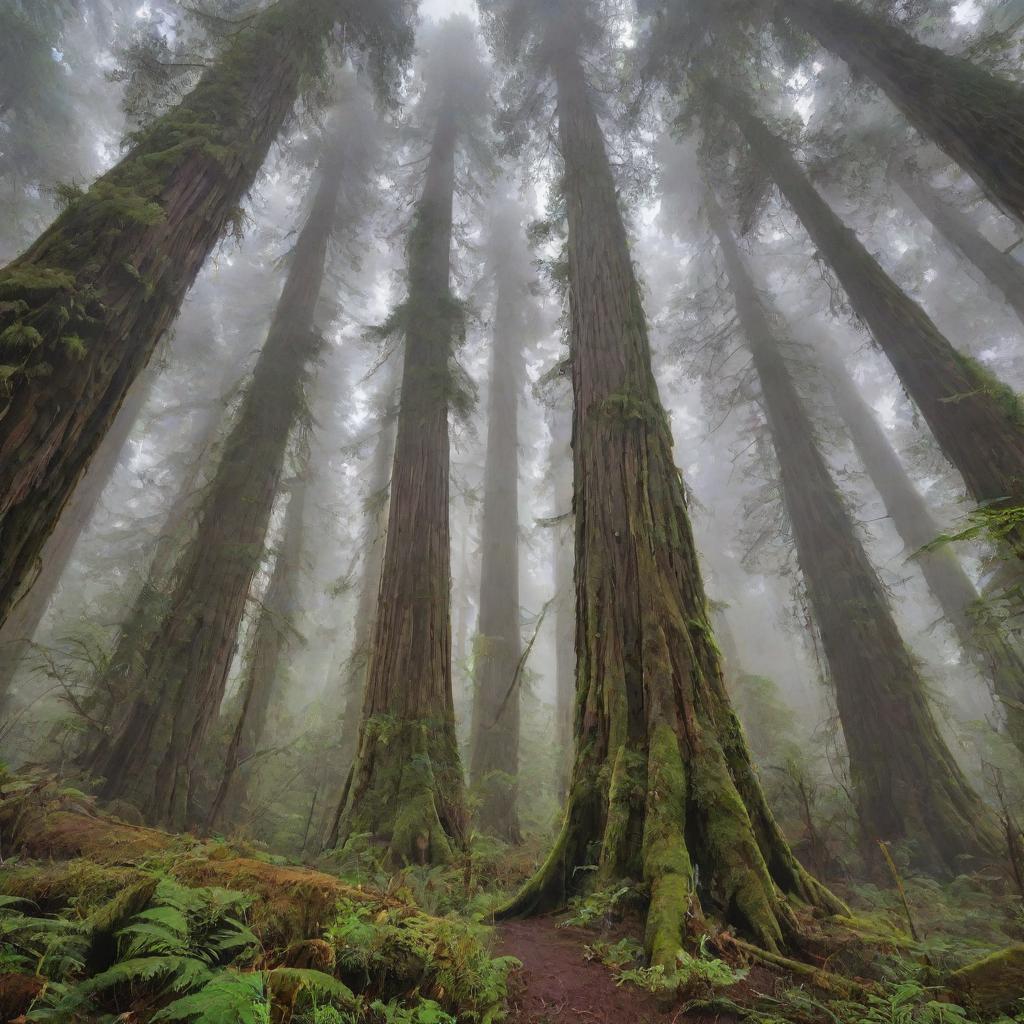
405, 787
151, 760
20, 626
565, 611
1000, 269
972, 114
494, 761
662, 783
977, 421
274, 630
83, 308
906, 784
981, 635
339, 757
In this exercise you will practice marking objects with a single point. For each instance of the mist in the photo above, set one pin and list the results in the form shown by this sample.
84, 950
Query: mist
511, 510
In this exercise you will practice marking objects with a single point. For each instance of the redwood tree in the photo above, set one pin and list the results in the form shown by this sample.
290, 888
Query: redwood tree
977, 421
82, 309
152, 758
981, 635
973, 114
20, 626
662, 787
494, 761
273, 632
565, 611
906, 784
405, 787
1000, 269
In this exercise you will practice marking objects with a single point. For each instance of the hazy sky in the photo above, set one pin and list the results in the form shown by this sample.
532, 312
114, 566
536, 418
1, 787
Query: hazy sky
442, 8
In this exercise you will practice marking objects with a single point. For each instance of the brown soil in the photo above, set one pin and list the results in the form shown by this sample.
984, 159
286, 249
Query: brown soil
16, 994
558, 985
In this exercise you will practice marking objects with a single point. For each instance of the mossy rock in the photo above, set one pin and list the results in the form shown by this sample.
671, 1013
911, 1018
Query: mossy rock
994, 983
54, 887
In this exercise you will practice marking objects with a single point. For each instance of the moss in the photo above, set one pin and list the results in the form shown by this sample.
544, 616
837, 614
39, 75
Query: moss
80, 883
1008, 401
993, 983
667, 865
741, 875
32, 278
626, 787
20, 336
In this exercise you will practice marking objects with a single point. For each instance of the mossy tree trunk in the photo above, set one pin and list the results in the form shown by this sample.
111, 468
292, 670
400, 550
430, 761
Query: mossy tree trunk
494, 760
273, 633
981, 635
20, 626
405, 787
1000, 269
971, 113
662, 786
906, 784
977, 421
565, 609
151, 760
84, 306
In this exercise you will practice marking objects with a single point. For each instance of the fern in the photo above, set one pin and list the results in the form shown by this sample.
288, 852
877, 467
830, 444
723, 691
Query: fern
227, 998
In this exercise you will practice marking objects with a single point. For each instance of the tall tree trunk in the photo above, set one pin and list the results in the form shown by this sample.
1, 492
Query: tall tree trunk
662, 786
85, 305
122, 676
339, 756
406, 787
977, 421
494, 762
369, 585
186, 665
20, 626
1000, 269
980, 633
906, 784
275, 626
565, 611
972, 114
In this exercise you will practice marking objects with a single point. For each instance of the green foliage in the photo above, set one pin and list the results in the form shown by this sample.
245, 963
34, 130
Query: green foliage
909, 1003
595, 907
450, 955
688, 974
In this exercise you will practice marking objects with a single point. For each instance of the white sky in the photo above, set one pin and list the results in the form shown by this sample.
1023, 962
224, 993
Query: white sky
442, 8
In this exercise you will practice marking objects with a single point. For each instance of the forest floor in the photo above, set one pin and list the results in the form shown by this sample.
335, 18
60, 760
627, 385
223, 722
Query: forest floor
102, 920
557, 984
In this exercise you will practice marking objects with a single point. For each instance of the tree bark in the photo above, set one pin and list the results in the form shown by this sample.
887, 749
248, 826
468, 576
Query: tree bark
339, 757
83, 308
977, 421
21, 624
972, 114
980, 633
151, 760
906, 784
122, 676
663, 788
565, 611
275, 627
1000, 269
494, 761
405, 787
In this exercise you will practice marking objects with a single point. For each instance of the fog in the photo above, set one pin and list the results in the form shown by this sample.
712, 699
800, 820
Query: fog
450, 403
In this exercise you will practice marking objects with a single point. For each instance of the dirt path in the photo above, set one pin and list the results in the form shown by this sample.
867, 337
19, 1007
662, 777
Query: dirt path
558, 985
